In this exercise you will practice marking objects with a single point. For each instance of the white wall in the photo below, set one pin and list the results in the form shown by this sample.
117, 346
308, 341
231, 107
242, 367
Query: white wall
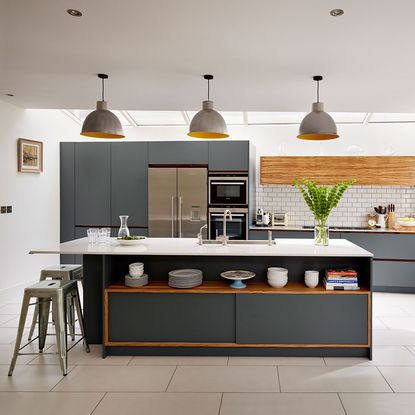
34, 197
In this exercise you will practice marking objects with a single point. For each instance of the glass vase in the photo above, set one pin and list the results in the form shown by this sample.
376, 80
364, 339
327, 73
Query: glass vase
123, 231
321, 234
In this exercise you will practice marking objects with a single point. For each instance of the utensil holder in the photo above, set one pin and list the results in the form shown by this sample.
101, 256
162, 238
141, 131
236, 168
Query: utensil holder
391, 220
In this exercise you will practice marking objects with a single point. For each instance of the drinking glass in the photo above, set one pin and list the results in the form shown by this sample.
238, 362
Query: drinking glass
92, 235
107, 233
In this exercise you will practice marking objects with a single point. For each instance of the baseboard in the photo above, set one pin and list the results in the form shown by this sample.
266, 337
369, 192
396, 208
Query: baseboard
10, 293
394, 289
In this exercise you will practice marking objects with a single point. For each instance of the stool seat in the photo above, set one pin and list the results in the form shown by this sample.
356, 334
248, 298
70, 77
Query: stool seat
44, 289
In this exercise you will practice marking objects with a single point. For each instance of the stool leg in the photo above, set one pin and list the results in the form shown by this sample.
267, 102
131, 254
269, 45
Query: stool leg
81, 319
44, 308
70, 311
34, 321
22, 320
59, 311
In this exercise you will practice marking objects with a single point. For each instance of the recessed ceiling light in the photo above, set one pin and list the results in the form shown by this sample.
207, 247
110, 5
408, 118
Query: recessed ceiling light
74, 13
9, 95
336, 12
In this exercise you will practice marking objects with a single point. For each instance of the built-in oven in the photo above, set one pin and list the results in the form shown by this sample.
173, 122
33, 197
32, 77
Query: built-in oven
228, 190
236, 228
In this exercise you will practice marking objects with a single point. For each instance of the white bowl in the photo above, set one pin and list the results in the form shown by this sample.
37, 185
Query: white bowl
278, 283
277, 272
277, 277
277, 269
311, 284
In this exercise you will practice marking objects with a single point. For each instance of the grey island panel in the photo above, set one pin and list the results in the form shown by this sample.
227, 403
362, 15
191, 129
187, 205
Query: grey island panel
302, 319
136, 317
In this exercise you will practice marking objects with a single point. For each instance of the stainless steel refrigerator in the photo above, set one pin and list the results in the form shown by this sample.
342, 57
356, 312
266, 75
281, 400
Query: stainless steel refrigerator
177, 201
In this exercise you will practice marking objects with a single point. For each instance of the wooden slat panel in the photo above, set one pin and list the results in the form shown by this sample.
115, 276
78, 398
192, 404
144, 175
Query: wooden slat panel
222, 287
371, 170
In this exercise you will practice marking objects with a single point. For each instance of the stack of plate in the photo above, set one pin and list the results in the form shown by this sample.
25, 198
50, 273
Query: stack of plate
185, 278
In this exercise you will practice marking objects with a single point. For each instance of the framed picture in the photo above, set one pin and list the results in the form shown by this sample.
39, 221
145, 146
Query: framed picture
29, 156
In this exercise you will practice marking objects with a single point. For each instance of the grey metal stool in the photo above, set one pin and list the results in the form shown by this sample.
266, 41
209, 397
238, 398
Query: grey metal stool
64, 272
57, 293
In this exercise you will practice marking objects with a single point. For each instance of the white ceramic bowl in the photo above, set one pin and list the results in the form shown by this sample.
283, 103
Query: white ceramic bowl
136, 269
277, 283
277, 272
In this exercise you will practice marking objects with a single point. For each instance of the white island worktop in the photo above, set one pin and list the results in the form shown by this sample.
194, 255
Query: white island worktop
189, 247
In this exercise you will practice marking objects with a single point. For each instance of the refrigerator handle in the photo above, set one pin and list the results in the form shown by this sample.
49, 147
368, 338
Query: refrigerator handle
172, 216
180, 216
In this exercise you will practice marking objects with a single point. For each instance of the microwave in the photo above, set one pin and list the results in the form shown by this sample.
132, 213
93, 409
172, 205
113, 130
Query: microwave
228, 190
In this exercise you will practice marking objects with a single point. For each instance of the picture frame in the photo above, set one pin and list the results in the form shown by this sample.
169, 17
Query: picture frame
29, 156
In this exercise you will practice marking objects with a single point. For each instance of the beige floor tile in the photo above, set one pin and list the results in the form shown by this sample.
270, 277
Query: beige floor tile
5, 318
160, 403
388, 311
400, 379
15, 308
382, 356
378, 324
78, 356
117, 379
14, 321
281, 403
6, 353
331, 379
43, 403
179, 360
378, 403
275, 361
393, 337
400, 323
30, 378
8, 336
225, 379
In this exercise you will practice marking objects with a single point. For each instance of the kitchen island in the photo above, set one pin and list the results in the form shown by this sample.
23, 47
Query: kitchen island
218, 320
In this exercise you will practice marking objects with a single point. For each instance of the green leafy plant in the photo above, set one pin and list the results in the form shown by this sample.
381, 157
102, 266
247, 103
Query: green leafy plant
321, 200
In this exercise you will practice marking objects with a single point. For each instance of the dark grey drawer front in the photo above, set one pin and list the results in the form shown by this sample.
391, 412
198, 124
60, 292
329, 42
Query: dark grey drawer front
137, 317
394, 274
178, 153
263, 234
301, 319
385, 246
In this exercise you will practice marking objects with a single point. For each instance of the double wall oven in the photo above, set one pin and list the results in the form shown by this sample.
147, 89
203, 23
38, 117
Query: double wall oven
228, 191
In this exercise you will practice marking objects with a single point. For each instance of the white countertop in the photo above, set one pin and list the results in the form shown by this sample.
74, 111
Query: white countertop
332, 229
189, 246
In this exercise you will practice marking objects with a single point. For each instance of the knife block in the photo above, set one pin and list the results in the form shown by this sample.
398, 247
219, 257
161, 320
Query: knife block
391, 220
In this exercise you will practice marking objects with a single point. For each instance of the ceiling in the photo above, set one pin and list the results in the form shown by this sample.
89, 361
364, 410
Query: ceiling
263, 54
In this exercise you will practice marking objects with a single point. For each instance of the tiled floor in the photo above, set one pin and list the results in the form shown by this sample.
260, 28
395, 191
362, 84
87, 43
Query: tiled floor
218, 385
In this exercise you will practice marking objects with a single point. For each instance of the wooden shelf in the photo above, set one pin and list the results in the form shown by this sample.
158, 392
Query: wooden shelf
222, 287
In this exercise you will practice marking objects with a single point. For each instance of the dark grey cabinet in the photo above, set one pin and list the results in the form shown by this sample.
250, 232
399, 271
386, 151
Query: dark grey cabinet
171, 317
394, 276
172, 152
67, 185
129, 183
229, 156
263, 234
301, 319
92, 184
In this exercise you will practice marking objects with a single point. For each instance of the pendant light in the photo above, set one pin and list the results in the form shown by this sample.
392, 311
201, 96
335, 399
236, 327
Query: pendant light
208, 123
318, 125
102, 123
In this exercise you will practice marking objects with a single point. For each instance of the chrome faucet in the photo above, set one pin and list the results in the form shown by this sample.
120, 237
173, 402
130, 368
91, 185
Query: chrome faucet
226, 213
200, 236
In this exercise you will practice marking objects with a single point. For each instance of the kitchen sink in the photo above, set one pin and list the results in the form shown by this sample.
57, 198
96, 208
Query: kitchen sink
237, 242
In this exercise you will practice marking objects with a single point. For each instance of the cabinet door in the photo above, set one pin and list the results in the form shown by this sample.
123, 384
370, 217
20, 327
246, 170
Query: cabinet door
302, 319
92, 184
129, 183
172, 152
137, 317
67, 191
229, 156
397, 275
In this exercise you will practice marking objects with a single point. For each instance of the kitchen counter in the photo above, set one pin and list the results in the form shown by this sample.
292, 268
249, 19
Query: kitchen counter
189, 247
332, 229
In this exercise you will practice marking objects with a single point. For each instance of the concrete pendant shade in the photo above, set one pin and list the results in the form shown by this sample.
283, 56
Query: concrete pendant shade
102, 123
208, 123
317, 125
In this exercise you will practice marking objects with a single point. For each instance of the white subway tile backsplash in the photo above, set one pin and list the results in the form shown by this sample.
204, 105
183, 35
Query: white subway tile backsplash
352, 211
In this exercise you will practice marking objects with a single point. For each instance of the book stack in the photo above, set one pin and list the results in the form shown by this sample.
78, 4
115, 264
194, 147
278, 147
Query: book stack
341, 279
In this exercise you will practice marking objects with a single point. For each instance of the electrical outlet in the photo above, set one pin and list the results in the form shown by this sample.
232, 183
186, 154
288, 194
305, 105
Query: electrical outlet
3, 209
9, 209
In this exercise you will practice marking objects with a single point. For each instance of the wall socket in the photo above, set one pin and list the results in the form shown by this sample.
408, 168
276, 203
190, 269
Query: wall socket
6, 209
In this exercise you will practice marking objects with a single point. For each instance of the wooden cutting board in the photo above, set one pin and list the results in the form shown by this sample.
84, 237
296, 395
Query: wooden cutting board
404, 228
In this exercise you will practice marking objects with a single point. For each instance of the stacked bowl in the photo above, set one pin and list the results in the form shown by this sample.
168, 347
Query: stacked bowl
136, 276
311, 278
277, 277
185, 278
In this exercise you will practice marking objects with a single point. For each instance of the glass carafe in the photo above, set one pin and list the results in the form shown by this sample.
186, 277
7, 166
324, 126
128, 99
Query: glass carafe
123, 231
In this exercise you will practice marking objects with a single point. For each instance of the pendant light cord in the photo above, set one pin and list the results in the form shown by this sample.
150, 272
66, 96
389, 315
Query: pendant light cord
318, 91
208, 89
103, 89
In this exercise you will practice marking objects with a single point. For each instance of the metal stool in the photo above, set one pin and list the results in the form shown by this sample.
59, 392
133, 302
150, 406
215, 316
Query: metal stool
64, 272
57, 292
